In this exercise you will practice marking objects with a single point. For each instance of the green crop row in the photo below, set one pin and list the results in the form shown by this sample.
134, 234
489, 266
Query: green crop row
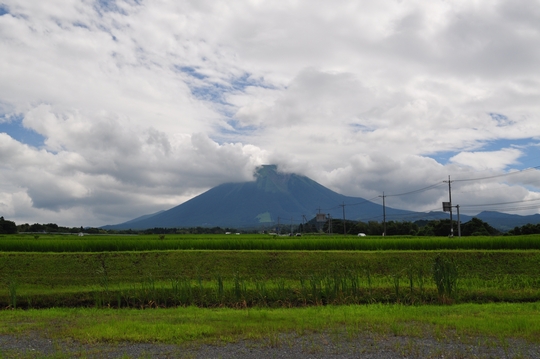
109, 243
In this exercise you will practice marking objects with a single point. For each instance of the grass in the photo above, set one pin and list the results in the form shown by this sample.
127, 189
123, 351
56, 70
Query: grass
64, 269
110, 243
260, 278
196, 325
268, 292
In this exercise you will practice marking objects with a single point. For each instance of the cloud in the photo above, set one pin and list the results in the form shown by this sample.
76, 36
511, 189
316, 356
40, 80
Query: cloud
495, 160
142, 105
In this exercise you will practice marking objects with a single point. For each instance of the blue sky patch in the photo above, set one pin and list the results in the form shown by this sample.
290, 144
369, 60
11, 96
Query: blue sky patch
17, 131
212, 92
240, 83
192, 71
81, 25
3, 9
501, 119
242, 129
103, 6
204, 89
529, 146
358, 127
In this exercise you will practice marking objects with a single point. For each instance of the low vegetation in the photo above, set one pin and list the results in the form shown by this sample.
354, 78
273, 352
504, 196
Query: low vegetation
91, 288
142, 279
439, 227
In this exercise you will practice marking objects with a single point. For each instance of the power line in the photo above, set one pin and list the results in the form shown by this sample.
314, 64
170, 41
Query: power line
417, 190
497, 176
500, 203
359, 203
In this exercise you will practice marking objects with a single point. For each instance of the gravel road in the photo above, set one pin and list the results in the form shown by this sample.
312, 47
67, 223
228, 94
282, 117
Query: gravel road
309, 346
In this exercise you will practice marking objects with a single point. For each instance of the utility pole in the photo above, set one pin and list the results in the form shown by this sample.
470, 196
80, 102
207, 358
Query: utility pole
384, 214
317, 220
458, 222
344, 227
450, 199
291, 226
329, 224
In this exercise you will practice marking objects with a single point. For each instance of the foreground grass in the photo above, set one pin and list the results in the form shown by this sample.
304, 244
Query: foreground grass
193, 325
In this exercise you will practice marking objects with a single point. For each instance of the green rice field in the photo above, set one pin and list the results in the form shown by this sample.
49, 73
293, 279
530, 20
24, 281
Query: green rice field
110, 243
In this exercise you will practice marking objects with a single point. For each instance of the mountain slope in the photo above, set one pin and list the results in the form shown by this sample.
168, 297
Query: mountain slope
505, 222
271, 198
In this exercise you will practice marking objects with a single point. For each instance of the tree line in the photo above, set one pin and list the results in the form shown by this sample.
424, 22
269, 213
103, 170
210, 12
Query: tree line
7, 227
474, 227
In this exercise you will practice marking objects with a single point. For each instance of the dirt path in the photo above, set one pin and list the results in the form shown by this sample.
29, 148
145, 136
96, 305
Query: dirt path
312, 346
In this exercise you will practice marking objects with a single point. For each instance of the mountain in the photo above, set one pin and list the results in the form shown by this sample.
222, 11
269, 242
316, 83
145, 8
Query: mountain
273, 197
286, 198
505, 222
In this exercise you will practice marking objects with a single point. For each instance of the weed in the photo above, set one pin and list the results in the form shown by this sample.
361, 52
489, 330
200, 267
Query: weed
103, 275
396, 286
445, 275
239, 287
368, 276
410, 276
220, 290
260, 287
12, 289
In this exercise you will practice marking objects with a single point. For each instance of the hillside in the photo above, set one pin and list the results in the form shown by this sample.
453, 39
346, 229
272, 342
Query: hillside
272, 197
286, 198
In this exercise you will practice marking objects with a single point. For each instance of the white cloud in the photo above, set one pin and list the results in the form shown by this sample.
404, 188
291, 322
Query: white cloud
145, 104
495, 160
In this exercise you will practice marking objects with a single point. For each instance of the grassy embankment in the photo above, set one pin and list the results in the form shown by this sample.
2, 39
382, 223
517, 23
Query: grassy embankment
210, 278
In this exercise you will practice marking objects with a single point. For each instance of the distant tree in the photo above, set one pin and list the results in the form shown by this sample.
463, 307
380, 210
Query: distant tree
474, 227
7, 227
401, 228
23, 227
36, 227
51, 227
526, 229
374, 228
477, 227
437, 228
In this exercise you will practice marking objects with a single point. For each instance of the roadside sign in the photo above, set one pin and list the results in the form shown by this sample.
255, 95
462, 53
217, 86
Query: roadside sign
446, 207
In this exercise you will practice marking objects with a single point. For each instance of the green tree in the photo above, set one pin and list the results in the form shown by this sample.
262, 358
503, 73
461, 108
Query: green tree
477, 227
7, 227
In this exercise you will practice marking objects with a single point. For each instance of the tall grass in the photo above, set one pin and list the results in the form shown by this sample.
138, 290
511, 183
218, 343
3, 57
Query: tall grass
259, 242
337, 286
333, 288
445, 275
264, 278
12, 289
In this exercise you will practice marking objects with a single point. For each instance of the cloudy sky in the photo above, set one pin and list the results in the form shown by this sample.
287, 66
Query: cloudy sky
112, 109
